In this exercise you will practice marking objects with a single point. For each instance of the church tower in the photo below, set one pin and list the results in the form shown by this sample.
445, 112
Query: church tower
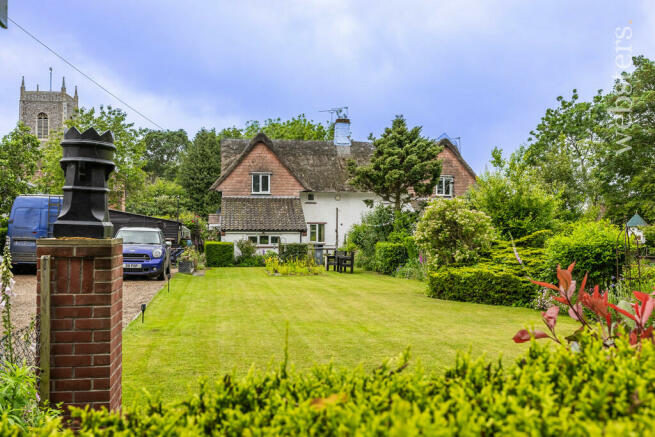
46, 111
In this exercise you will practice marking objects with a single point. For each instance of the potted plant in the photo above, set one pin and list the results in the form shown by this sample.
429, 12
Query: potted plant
188, 260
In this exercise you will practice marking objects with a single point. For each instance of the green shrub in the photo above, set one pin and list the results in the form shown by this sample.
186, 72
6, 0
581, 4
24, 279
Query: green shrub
591, 245
389, 256
252, 261
246, 248
19, 401
376, 226
412, 249
219, 253
412, 269
482, 283
515, 198
3, 236
293, 251
536, 239
532, 259
450, 232
549, 391
649, 235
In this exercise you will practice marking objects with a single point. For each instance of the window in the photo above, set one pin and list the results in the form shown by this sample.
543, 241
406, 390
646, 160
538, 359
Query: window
139, 237
42, 125
310, 197
253, 239
317, 232
263, 239
261, 183
445, 186
275, 240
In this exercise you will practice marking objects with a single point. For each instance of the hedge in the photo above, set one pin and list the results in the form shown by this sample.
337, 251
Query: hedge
389, 256
592, 245
548, 391
3, 237
533, 259
219, 253
482, 283
292, 251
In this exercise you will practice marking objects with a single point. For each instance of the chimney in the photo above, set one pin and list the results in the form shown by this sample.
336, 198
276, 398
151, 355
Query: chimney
342, 132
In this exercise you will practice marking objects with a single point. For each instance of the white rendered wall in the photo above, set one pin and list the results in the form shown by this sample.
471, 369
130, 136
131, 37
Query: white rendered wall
323, 209
285, 237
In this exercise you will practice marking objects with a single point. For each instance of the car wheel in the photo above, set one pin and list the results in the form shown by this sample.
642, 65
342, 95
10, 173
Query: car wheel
162, 275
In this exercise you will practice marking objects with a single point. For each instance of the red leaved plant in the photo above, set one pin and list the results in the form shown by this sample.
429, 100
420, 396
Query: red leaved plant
598, 304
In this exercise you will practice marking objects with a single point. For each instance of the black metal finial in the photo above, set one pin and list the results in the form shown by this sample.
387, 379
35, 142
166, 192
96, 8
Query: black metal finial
87, 163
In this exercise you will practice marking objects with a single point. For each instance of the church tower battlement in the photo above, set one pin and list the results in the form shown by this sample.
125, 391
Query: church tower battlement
46, 111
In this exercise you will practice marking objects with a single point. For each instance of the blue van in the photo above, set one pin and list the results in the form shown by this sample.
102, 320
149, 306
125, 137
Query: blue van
31, 218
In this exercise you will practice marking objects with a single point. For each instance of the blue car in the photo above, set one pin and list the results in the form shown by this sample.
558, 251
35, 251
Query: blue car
145, 252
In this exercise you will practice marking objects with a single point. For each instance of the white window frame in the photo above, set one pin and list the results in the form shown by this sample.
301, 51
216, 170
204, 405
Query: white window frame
317, 227
259, 177
270, 237
441, 186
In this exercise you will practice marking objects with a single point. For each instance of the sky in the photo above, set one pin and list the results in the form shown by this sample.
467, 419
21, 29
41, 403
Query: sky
484, 71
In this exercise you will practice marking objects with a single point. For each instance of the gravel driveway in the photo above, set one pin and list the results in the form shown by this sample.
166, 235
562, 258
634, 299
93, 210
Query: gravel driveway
135, 292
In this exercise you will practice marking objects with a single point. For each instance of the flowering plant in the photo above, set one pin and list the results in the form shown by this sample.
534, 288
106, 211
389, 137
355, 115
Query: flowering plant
6, 293
593, 312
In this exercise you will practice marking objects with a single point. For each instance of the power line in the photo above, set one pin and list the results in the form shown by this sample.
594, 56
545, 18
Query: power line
84, 74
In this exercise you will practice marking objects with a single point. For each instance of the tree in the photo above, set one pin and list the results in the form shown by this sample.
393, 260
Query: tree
451, 232
515, 198
163, 152
161, 198
628, 157
200, 166
297, 128
129, 176
403, 162
50, 178
564, 148
19, 155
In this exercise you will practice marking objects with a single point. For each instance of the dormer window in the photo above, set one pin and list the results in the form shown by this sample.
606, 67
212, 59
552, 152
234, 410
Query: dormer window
445, 186
261, 183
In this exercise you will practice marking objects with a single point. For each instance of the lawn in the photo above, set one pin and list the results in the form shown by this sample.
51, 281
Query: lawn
234, 318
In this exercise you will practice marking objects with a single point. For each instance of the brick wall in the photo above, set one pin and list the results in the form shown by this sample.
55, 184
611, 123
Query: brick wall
260, 159
86, 320
452, 166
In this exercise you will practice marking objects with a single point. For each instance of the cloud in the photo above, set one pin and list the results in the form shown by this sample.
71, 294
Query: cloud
168, 109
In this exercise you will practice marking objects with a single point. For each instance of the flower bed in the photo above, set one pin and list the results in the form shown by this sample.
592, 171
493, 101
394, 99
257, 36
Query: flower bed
292, 267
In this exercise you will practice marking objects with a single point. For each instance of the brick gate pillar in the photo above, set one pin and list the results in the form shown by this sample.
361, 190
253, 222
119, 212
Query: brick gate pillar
86, 316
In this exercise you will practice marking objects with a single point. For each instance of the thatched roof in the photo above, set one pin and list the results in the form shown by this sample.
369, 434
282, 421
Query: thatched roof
318, 165
262, 214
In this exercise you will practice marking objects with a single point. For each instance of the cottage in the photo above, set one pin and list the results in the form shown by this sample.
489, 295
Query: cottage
288, 191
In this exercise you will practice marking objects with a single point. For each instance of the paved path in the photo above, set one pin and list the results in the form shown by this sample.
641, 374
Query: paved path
135, 292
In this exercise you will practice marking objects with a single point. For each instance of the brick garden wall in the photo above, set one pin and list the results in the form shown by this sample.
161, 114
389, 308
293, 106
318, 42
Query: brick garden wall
86, 320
